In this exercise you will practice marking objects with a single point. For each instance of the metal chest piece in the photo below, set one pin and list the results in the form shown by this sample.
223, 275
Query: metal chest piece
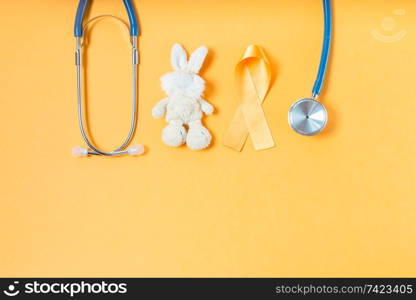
308, 117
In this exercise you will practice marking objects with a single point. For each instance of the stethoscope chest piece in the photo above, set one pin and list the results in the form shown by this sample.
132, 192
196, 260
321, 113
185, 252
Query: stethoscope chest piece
308, 117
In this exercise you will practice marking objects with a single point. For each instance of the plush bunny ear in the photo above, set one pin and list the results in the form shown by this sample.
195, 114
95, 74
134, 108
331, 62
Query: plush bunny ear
197, 59
178, 57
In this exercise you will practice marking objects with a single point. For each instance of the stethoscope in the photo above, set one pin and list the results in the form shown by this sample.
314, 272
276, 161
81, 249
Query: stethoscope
79, 34
308, 116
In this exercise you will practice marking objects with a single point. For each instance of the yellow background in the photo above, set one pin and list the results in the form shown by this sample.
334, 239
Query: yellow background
339, 204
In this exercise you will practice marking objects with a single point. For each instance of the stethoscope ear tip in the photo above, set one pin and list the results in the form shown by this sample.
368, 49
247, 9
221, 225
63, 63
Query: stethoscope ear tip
79, 151
136, 150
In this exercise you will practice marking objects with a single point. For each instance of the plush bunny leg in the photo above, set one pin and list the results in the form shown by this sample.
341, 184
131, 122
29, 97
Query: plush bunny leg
198, 136
174, 134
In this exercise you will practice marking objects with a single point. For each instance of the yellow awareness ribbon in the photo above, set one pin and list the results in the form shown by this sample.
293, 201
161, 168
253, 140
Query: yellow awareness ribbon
252, 81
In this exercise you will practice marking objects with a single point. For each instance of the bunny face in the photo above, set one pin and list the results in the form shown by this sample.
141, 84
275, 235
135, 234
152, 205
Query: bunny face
183, 83
184, 80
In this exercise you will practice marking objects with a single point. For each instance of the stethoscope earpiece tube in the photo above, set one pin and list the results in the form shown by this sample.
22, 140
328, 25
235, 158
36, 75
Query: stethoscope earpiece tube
82, 7
325, 48
79, 32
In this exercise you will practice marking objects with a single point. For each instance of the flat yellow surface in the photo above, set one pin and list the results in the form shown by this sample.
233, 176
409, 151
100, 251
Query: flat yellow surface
339, 204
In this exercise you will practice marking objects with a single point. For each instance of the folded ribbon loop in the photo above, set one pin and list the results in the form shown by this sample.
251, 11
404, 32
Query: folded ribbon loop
252, 80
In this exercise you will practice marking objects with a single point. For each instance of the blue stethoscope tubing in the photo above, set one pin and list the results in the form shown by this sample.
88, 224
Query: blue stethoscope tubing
79, 26
82, 7
326, 47
307, 116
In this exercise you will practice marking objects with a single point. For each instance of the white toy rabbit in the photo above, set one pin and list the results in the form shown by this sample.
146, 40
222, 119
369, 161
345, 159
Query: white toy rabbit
184, 105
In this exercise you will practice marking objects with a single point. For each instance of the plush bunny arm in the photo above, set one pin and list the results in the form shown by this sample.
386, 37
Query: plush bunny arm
206, 107
160, 108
